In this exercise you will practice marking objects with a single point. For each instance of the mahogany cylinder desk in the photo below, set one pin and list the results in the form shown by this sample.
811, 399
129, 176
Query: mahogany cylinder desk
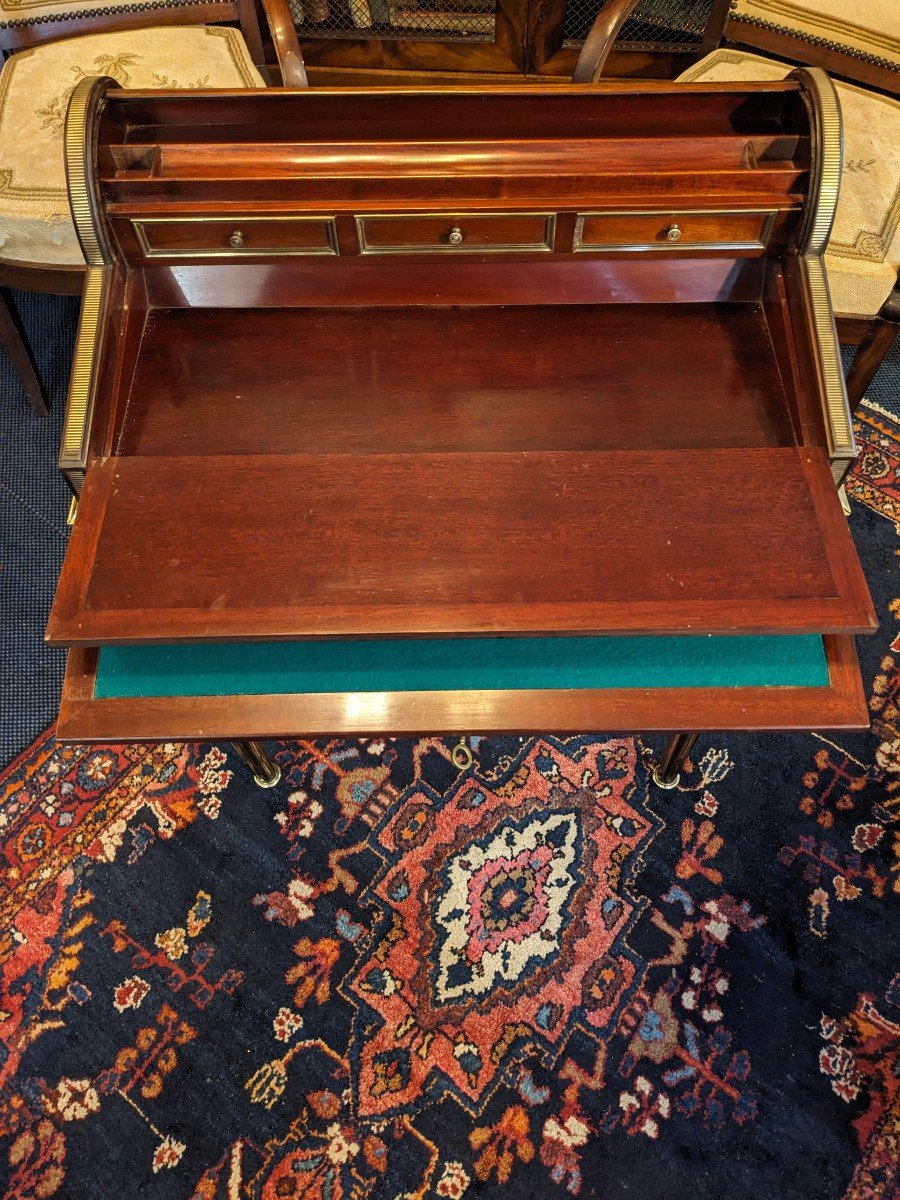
456, 412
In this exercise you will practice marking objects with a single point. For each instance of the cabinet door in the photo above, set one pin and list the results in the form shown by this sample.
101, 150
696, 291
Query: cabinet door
658, 39
425, 35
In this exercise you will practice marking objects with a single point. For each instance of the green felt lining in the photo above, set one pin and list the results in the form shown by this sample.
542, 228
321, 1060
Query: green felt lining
468, 664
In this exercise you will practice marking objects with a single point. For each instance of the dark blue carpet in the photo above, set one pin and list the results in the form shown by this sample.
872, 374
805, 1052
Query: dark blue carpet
34, 502
534, 979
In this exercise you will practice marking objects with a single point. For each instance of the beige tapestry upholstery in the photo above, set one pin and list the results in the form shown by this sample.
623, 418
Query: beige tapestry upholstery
864, 252
35, 85
863, 28
19, 13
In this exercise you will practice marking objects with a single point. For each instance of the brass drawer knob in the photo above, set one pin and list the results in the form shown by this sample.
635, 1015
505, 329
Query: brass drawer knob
673, 233
456, 236
236, 239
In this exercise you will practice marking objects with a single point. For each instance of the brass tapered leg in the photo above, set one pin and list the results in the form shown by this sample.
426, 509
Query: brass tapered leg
265, 772
667, 774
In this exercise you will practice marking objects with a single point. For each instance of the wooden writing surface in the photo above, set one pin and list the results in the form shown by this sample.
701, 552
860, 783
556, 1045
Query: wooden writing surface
298, 545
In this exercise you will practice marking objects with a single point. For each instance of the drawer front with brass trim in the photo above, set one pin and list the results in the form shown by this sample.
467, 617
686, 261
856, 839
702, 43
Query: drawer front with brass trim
235, 236
456, 233
700, 229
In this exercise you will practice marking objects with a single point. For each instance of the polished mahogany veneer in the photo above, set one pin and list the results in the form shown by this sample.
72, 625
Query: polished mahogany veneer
365, 365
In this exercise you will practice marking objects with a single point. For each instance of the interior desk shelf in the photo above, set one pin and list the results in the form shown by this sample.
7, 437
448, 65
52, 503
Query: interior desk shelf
455, 379
523, 420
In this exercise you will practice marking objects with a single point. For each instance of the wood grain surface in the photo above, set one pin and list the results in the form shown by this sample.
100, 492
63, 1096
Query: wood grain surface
296, 545
440, 379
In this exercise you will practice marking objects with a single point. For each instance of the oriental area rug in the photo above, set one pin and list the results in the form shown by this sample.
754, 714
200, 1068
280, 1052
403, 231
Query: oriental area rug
537, 977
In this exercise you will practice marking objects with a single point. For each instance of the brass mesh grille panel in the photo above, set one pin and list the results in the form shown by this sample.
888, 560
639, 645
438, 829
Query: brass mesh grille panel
663, 25
432, 20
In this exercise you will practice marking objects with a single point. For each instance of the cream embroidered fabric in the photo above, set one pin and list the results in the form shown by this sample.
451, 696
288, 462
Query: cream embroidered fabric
35, 85
861, 27
26, 11
864, 252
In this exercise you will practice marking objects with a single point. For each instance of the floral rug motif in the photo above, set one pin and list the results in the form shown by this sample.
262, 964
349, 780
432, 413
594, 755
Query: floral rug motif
540, 976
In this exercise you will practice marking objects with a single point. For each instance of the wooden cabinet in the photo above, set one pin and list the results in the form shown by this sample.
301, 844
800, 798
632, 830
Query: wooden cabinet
660, 38
489, 36
482, 36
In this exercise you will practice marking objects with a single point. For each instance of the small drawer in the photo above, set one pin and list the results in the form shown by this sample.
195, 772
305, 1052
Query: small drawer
707, 229
455, 233
234, 236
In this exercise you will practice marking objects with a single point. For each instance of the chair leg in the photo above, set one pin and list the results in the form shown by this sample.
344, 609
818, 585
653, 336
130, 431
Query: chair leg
12, 337
872, 350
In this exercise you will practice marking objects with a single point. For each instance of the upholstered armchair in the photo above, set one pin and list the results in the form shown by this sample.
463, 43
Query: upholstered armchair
859, 45
50, 45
